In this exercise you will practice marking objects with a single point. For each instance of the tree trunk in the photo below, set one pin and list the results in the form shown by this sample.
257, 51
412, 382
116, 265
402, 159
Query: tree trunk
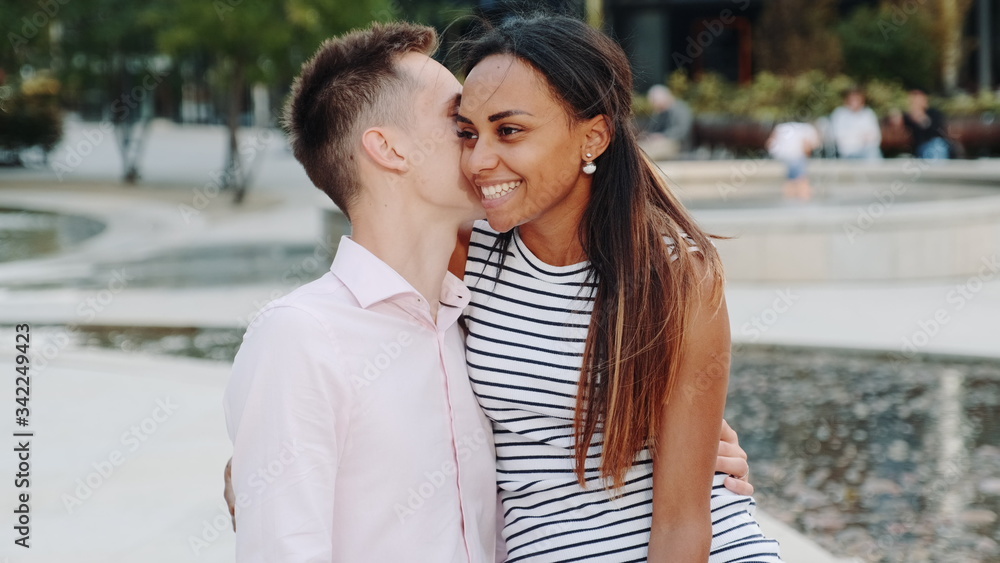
234, 176
595, 13
131, 139
122, 118
951, 18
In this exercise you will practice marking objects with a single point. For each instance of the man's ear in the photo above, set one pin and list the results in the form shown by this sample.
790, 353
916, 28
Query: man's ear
598, 135
380, 146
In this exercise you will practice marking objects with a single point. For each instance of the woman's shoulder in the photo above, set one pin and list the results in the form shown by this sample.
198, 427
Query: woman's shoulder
482, 242
688, 243
482, 232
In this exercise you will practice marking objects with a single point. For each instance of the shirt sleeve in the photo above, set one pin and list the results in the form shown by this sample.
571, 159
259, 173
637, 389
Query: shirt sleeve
287, 407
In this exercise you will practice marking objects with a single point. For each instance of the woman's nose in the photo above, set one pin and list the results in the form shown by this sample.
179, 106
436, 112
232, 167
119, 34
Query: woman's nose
480, 157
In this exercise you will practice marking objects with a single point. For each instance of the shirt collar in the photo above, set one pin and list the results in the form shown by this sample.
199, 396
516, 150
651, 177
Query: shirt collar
454, 292
371, 280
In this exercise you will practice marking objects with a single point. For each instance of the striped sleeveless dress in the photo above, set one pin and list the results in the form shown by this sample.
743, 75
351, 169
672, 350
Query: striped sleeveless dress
526, 334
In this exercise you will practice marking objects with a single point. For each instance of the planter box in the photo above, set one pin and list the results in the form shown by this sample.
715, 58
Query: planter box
975, 136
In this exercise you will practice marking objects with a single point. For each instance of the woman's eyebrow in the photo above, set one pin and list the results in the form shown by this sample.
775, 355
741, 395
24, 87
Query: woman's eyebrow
496, 116
506, 114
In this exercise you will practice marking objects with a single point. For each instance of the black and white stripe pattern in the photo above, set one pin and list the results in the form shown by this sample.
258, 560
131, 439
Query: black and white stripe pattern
527, 328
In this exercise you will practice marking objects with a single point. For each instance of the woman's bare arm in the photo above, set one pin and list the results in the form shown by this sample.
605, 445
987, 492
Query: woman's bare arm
688, 441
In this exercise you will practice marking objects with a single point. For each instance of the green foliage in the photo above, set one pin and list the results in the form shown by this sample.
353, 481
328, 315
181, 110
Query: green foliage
888, 44
773, 98
30, 115
710, 94
679, 83
272, 38
104, 45
25, 42
795, 36
641, 106
968, 105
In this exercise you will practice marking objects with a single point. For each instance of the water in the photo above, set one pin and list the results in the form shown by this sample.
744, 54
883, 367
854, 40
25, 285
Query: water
31, 234
203, 266
219, 344
876, 457
28, 234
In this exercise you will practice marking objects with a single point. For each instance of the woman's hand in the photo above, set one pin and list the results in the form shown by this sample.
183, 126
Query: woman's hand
733, 460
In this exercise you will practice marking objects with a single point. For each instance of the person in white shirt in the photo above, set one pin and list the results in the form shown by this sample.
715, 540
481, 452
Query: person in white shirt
855, 128
792, 143
356, 433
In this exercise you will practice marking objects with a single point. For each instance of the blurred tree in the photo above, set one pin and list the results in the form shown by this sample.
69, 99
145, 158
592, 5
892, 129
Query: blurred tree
887, 44
26, 36
113, 50
949, 22
921, 43
29, 118
249, 42
29, 93
795, 36
452, 19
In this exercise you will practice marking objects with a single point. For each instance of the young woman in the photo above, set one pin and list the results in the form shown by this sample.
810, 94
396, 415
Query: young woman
598, 338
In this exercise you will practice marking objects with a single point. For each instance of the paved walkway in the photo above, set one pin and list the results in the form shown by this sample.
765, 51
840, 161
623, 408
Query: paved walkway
160, 503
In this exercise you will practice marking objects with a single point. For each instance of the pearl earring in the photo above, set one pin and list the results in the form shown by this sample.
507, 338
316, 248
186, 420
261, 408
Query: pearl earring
590, 167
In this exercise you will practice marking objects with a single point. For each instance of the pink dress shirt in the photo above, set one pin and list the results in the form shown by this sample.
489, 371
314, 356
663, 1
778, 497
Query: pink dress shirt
356, 436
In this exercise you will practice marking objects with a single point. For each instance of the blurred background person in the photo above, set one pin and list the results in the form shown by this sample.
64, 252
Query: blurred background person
855, 128
927, 127
668, 133
792, 143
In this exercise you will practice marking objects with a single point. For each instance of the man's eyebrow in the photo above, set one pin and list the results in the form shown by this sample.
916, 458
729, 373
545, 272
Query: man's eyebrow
453, 104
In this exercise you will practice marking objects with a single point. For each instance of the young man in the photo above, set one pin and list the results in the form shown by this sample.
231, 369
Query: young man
927, 127
356, 434
856, 131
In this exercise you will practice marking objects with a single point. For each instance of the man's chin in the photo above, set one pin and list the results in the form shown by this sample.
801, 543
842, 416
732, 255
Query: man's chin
471, 218
476, 211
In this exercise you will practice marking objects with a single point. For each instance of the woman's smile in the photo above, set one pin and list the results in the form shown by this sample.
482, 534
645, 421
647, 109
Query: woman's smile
493, 192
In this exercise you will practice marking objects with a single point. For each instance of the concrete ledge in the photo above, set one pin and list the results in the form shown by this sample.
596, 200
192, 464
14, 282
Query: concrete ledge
891, 220
795, 547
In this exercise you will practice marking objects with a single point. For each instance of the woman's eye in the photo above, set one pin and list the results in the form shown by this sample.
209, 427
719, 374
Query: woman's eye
466, 135
506, 131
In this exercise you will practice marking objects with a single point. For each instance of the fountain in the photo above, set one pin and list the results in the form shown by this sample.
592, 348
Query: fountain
894, 220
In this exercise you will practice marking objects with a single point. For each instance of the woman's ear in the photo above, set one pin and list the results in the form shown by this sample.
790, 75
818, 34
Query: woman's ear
598, 135
380, 146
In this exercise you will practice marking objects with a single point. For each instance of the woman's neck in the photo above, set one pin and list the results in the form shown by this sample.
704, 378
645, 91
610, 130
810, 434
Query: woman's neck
554, 238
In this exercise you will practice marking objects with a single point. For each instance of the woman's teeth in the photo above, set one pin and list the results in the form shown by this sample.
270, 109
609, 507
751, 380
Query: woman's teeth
499, 190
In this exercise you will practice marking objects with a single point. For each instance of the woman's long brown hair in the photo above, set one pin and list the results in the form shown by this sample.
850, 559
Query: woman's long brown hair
644, 288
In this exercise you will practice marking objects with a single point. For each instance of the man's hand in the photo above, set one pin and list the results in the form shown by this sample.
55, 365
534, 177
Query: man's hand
732, 460
231, 496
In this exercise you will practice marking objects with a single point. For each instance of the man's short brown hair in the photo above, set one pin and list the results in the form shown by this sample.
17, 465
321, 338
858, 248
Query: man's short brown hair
350, 84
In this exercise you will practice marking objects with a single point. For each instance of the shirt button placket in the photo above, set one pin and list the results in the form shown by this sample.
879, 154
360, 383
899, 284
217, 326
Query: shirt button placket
454, 436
